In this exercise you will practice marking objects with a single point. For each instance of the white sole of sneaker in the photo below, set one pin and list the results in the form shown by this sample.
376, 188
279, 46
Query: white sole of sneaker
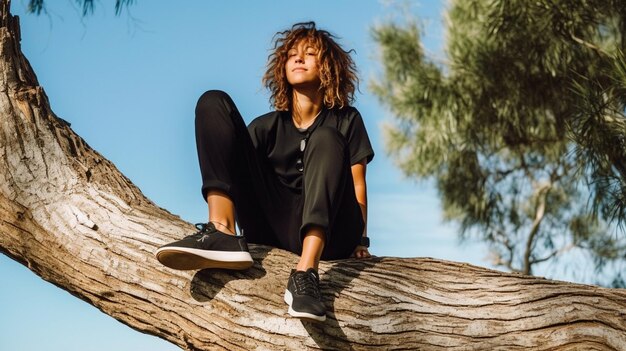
183, 258
302, 315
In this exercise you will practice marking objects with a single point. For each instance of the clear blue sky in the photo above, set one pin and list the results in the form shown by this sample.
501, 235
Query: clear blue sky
129, 85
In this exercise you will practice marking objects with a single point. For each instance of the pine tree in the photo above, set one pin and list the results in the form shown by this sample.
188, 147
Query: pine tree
522, 128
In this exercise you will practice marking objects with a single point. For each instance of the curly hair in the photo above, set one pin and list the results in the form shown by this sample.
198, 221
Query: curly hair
338, 73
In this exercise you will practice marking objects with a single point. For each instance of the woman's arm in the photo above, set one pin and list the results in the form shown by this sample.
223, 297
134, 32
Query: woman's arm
360, 189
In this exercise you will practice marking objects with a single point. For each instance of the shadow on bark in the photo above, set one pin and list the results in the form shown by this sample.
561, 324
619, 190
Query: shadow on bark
329, 335
207, 283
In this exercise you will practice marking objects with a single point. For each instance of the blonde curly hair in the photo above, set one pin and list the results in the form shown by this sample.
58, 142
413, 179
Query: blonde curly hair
338, 74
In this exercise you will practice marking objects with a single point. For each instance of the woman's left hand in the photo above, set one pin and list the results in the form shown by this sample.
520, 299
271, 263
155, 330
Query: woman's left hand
361, 252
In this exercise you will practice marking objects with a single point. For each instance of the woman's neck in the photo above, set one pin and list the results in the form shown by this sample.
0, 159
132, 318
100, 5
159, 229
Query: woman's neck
306, 107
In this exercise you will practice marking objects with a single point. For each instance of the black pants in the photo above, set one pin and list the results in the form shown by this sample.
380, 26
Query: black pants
267, 211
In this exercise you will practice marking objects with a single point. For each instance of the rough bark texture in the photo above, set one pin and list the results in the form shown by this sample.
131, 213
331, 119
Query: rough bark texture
73, 219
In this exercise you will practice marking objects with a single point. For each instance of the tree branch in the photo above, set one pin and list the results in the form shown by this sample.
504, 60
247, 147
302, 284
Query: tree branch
497, 259
592, 46
540, 210
553, 254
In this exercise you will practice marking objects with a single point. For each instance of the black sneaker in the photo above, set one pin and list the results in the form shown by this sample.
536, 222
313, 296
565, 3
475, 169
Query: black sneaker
303, 295
208, 248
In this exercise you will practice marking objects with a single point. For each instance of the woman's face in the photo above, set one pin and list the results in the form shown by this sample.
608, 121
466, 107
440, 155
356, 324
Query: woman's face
301, 68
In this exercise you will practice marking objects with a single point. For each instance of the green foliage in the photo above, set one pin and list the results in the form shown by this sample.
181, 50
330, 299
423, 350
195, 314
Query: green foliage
523, 128
38, 6
599, 127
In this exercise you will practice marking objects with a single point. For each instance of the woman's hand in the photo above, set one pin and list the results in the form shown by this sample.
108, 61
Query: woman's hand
361, 252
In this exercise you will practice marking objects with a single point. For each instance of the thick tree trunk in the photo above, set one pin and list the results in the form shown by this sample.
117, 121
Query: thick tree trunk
73, 219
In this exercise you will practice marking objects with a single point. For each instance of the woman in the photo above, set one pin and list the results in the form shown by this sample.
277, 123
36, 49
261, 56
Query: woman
294, 178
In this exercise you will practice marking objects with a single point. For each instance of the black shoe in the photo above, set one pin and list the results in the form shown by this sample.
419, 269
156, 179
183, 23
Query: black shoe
208, 248
303, 295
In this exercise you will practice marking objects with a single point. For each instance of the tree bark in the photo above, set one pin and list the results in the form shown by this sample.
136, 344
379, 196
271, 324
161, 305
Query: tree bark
72, 218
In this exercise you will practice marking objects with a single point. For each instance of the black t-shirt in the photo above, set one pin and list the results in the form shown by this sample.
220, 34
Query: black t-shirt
275, 136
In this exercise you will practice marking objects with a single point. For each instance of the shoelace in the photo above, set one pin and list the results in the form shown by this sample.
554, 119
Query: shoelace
306, 284
203, 230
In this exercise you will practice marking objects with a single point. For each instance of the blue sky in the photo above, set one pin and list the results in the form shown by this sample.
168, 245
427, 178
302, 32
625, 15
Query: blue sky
128, 85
